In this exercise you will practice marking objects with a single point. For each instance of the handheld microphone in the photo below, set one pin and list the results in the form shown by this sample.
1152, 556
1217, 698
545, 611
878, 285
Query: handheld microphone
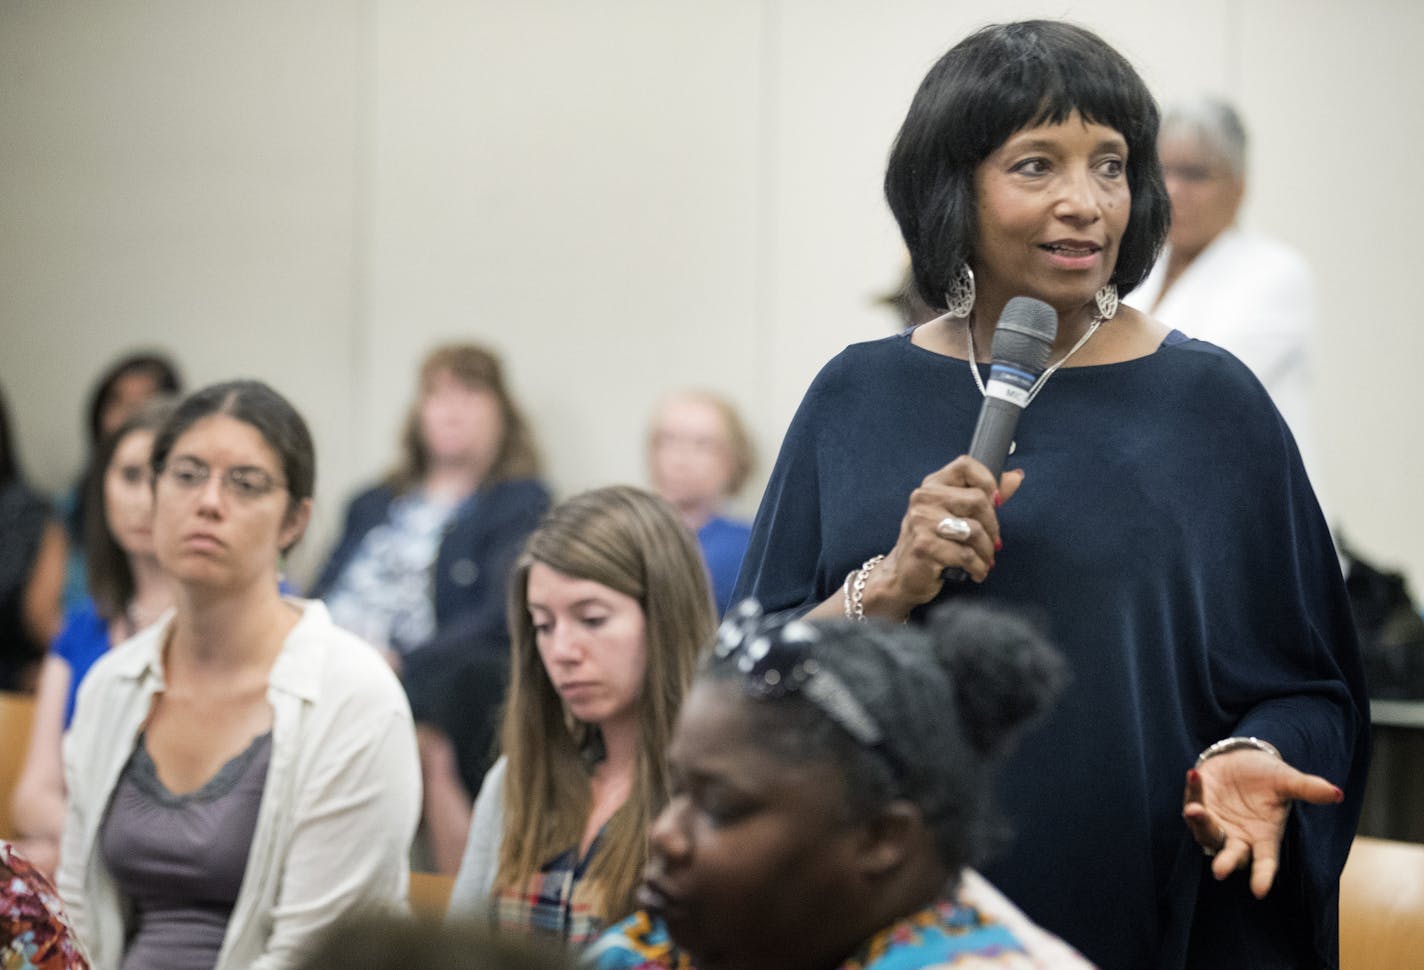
1023, 340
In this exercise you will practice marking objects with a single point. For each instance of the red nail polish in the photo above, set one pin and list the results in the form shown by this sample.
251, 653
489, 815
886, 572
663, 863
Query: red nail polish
998, 499
1193, 776
1339, 795
998, 544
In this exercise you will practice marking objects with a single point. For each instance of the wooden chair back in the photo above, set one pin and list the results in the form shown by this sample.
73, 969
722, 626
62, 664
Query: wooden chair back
430, 894
17, 714
1382, 906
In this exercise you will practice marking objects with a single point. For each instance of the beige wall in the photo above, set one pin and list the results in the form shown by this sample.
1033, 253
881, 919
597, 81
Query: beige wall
623, 197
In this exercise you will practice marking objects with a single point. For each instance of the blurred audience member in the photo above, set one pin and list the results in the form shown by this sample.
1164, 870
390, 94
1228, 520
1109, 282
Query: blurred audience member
1218, 282
32, 551
383, 942
421, 568
34, 932
241, 774
831, 782
700, 456
128, 383
609, 608
128, 592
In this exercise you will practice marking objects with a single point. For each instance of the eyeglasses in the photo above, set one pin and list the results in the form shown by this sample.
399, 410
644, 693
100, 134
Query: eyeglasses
243, 482
773, 655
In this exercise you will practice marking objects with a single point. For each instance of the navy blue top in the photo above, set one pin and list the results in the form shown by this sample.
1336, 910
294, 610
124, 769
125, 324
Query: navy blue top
724, 543
455, 680
83, 640
1167, 535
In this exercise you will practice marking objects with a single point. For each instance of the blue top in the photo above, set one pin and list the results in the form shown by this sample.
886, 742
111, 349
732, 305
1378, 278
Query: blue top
724, 543
1168, 538
83, 640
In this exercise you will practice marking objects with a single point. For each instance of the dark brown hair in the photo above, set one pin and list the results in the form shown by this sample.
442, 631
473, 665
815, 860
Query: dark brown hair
110, 577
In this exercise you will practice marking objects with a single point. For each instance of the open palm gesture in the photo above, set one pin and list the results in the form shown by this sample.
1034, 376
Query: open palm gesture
1236, 805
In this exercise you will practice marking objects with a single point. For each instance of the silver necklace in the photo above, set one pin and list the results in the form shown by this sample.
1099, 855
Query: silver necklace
1042, 378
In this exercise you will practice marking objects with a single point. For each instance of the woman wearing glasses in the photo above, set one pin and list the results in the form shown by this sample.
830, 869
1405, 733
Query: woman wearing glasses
242, 773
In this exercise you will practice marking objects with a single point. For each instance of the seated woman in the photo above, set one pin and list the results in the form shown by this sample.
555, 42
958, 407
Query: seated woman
700, 455
32, 552
242, 773
609, 607
831, 784
120, 390
129, 591
420, 571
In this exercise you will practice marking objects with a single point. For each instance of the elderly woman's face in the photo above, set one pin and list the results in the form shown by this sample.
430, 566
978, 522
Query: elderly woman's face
1204, 190
752, 860
1053, 206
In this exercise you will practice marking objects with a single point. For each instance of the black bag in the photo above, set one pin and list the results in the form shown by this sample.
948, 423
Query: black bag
1390, 628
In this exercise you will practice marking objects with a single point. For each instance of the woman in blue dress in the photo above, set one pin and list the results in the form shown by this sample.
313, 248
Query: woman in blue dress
1155, 514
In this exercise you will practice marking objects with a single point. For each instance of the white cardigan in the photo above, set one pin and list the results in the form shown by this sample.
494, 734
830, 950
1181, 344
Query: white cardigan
338, 812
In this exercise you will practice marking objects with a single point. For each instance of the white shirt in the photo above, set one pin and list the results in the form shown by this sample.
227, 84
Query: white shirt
1254, 297
338, 812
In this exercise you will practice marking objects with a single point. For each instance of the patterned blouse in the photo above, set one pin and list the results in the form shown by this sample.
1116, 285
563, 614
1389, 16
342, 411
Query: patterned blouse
945, 934
556, 901
34, 934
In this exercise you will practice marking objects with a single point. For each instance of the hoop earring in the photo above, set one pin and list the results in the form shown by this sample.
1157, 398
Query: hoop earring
1107, 301
959, 298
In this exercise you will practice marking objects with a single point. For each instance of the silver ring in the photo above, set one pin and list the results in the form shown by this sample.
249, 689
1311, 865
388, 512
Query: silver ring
953, 527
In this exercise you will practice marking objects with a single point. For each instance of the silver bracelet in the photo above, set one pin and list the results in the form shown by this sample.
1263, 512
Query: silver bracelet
1237, 744
855, 589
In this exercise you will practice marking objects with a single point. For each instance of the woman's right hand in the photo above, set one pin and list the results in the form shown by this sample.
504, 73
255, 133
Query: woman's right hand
912, 572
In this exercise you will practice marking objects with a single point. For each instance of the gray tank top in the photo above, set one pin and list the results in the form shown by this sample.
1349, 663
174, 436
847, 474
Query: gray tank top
179, 859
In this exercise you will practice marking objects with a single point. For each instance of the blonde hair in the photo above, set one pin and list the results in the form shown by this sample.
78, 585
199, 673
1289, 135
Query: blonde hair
631, 541
739, 442
475, 367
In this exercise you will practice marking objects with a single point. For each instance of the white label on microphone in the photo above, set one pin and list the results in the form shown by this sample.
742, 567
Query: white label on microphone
1005, 391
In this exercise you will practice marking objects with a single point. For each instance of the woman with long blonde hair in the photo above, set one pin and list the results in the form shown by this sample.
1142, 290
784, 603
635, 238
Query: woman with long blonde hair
609, 607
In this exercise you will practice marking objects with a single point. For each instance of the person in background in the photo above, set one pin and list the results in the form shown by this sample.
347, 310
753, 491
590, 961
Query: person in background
120, 390
371, 942
831, 786
700, 455
128, 592
609, 607
243, 773
1154, 511
1215, 281
32, 555
422, 565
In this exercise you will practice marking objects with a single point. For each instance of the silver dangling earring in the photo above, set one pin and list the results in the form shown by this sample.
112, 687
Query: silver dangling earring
1107, 301
959, 298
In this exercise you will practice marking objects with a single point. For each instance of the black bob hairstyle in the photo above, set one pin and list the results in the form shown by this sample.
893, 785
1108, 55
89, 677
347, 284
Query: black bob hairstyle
1000, 80
254, 403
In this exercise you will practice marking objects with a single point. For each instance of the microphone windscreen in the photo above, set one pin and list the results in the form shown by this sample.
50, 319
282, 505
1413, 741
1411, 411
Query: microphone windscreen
1025, 334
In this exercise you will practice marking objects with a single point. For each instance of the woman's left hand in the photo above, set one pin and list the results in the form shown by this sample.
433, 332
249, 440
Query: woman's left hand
1236, 805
